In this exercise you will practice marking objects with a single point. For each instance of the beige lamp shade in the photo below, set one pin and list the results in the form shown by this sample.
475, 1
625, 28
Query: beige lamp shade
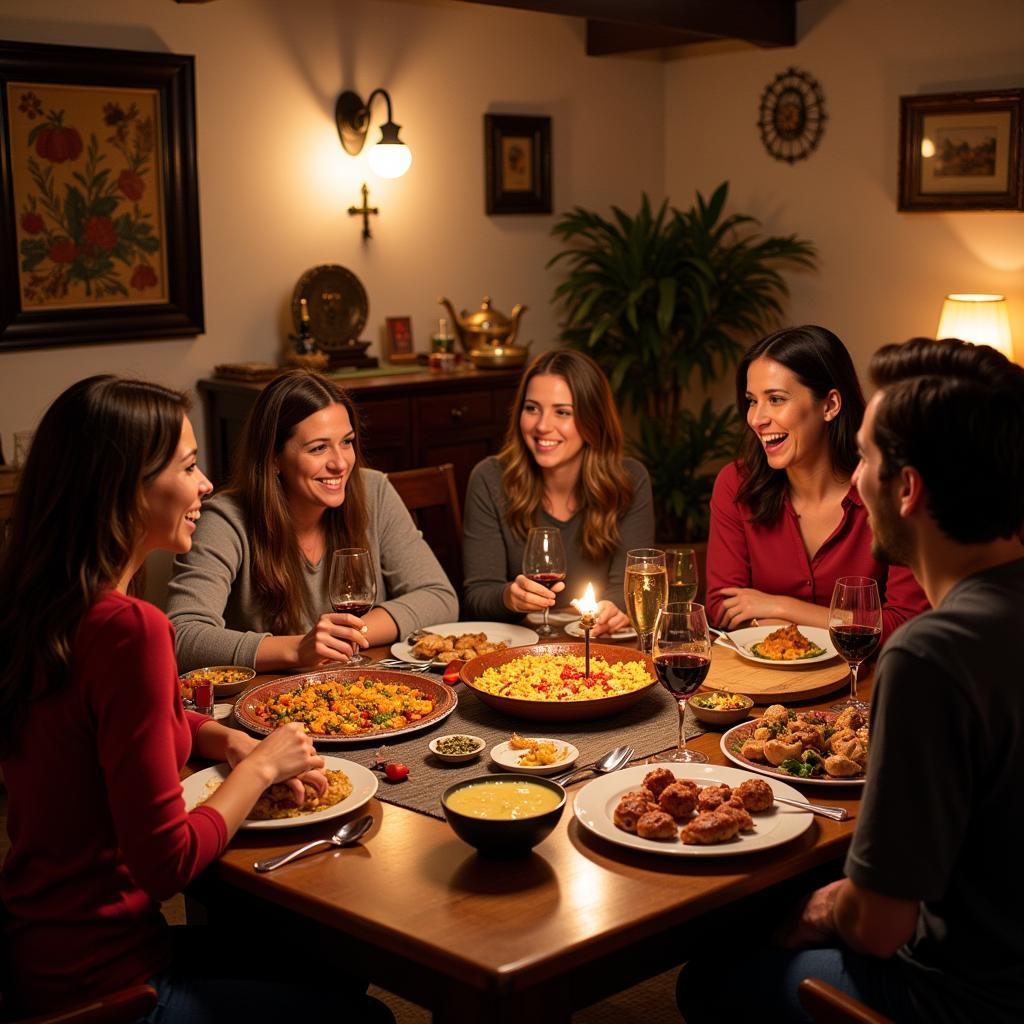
983, 319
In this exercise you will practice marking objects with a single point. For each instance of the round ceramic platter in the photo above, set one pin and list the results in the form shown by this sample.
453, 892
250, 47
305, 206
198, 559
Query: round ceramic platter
755, 634
575, 629
733, 740
595, 804
443, 696
504, 756
364, 786
514, 636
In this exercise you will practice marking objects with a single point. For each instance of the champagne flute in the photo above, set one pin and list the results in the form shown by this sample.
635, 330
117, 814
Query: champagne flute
352, 586
682, 658
855, 626
683, 576
544, 562
646, 591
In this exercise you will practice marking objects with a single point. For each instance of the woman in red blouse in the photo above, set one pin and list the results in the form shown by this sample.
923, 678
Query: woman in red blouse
786, 521
92, 731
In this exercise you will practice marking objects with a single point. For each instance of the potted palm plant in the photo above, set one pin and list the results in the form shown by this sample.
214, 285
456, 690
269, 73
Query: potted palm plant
658, 298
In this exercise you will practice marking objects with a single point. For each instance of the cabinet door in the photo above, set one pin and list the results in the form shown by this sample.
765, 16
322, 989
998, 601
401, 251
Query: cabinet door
384, 432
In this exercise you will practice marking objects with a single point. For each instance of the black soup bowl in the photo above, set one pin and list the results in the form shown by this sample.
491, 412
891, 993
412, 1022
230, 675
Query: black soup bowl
504, 837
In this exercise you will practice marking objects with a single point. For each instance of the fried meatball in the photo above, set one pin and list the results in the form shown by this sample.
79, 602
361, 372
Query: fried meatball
839, 766
756, 794
643, 794
628, 812
776, 713
679, 799
656, 825
712, 796
753, 750
840, 737
762, 734
734, 807
777, 751
657, 779
709, 828
850, 718
809, 736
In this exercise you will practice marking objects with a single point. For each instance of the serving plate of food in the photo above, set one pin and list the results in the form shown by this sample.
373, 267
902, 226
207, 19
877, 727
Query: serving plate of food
350, 785
460, 641
347, 706
547, 682
690, 810
534, 755
226, 680
781, 646
826, 748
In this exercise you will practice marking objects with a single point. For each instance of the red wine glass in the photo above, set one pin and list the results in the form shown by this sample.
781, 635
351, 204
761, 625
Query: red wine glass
544, 563
682, 658
855, 626
352, 586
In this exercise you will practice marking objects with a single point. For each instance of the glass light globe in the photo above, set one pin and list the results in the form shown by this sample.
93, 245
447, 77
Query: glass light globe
390, 159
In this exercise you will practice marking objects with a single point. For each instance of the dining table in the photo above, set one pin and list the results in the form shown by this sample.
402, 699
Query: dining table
579, 918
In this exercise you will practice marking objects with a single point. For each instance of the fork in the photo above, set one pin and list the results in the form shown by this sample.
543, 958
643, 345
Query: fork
406, 666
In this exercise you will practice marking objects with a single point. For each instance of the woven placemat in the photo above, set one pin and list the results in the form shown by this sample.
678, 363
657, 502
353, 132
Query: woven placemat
650, 725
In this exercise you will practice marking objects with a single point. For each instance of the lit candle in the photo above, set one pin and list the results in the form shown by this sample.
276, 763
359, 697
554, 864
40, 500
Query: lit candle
587, 607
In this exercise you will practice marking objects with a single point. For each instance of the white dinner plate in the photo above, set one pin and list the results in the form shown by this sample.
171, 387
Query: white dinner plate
755, 634
514, 636
596, 801
364, 785
556, 617
506, 757
575, 629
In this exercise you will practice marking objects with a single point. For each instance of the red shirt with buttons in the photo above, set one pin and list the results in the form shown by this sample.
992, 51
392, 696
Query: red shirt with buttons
772, 558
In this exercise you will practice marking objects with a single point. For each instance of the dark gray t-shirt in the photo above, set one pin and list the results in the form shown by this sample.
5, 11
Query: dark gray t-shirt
944, 799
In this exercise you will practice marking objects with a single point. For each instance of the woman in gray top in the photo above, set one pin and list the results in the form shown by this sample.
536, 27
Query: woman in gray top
254, 588
561, 466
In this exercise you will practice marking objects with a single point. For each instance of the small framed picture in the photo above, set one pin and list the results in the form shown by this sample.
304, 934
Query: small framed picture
398, 340
517, 155
961, 151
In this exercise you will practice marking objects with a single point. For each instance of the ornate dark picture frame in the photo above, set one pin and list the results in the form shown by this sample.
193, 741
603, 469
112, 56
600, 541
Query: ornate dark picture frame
517, 158
962, 151
99, 227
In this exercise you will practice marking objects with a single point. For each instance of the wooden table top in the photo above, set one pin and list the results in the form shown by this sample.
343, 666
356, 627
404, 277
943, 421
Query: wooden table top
503, 936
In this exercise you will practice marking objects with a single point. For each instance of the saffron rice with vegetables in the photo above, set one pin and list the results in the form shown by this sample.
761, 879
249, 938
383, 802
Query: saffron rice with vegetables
548, 677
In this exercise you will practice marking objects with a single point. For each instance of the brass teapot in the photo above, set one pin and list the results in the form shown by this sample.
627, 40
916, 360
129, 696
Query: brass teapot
486, 328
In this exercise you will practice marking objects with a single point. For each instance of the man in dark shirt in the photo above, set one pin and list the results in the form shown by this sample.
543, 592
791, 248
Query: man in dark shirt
926, 925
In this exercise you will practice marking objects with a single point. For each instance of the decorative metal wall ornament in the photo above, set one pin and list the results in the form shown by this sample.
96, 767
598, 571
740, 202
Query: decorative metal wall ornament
793, 116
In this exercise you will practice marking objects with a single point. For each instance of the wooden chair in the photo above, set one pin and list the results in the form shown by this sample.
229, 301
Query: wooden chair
432, 498
827, 1005
120, 1007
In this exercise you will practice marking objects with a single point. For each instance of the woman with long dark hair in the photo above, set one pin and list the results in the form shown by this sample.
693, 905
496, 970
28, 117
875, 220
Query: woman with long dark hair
561, 466
253, 590
786, 521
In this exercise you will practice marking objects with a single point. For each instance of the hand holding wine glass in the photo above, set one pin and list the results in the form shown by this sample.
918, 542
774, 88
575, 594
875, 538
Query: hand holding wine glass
682, 658
352, 586
855, 626
544, 562
645, 588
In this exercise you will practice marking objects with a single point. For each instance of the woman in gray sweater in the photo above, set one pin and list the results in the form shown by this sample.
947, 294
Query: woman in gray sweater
561, 466
253, 590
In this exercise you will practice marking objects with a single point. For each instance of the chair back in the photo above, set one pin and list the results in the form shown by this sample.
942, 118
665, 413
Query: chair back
827, 1005
432, 498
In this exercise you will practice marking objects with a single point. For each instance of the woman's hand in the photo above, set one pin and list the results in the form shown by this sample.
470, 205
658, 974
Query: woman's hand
335, 637
610, 619
523, 595
287, 755
742, 604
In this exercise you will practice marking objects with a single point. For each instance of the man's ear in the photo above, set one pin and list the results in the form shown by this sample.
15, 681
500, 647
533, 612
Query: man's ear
910, 492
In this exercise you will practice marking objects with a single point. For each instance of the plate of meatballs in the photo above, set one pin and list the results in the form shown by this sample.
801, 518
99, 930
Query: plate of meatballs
690, 810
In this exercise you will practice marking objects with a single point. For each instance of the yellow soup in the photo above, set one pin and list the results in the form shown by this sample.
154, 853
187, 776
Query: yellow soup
503, 801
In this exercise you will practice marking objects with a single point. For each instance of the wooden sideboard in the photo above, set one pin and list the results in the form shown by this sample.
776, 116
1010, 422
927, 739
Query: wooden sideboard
407, 420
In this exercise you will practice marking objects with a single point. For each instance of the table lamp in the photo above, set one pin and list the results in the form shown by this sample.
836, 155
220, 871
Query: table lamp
983, 319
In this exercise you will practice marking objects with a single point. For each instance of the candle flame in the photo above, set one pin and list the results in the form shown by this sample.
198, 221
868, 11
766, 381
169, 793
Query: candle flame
586, 605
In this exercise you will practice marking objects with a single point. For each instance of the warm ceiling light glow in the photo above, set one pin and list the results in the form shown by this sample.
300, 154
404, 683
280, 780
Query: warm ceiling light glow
983, 319
390, 157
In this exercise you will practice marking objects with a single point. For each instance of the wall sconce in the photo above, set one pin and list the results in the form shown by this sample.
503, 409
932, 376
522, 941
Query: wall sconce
390, 157
983, 319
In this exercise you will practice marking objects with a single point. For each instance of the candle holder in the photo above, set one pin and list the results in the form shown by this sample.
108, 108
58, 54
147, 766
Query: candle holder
587, 623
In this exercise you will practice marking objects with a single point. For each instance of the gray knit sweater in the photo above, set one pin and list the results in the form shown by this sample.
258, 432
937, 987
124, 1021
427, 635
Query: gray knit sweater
217, 619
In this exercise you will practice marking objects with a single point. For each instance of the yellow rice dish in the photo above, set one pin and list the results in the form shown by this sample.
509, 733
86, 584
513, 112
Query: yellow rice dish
276, 802
560, 678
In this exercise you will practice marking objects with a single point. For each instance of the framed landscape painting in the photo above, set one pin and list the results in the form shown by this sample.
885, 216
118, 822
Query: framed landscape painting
99, 210
517, 157
962, 151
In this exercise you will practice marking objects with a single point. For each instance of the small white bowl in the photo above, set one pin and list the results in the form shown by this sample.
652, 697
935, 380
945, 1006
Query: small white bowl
505, 756
456, 758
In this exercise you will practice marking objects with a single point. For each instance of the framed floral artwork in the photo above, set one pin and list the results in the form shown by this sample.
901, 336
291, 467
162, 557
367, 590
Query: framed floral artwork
517, 158
962, 151
99, 208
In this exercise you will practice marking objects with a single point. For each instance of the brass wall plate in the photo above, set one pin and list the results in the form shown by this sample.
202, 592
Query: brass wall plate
337, 303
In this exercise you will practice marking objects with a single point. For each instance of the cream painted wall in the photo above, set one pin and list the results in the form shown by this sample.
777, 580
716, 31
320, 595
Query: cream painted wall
275, 184
883, 275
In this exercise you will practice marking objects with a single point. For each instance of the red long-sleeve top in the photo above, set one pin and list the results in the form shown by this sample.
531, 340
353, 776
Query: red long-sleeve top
772, 558
98, 827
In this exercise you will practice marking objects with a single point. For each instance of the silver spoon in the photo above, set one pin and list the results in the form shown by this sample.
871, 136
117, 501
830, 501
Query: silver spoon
610, 762
835, 813
346, 834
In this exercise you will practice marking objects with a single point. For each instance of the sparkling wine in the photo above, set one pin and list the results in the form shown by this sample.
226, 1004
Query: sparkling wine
357, 608
547, 579
681, 674
646, 590
855, 643
681, 592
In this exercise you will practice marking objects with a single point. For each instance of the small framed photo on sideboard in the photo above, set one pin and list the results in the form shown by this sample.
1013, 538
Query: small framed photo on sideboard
398, 340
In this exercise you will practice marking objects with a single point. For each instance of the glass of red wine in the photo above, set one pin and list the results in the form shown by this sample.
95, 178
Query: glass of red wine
682, 658
352, 586
855, 626
544, 563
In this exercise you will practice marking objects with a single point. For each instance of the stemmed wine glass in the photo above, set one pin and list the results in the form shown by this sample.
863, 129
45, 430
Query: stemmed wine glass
645, 588
683, 577
544, 563
682, 657
352, 586
855, 626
